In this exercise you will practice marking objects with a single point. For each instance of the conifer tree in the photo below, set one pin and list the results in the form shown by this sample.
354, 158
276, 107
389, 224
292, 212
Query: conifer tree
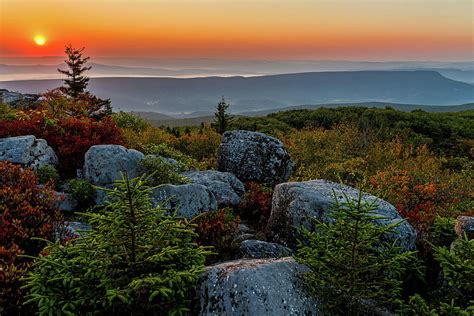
223, 119
76, 82
136, 260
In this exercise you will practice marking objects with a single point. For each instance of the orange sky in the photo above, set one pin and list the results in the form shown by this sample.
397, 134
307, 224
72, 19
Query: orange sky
242, 29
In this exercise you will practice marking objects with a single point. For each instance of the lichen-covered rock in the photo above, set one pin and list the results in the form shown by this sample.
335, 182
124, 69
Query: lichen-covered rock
253, 156
27, 150
227, 189
186, 200
465, 225
295, 203
104, 163
254, 287
258, 249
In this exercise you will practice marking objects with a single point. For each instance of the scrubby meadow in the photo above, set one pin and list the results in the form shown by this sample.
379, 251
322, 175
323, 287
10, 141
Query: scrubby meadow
350, 210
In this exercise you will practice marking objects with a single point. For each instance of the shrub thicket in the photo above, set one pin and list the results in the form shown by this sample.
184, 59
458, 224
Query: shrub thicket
69, 136
218, 229
26, 211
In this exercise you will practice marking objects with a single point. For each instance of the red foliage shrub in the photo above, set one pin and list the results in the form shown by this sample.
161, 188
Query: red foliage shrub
217, 229
26, 211
69, 136
257, 204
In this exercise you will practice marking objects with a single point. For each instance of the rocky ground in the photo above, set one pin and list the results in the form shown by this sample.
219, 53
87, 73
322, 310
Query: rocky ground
263, 279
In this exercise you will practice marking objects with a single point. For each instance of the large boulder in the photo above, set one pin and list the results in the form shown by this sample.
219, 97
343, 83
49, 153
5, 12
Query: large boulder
17, 99
295, 203
104, 163
27, 150
258, 249
253, 156
254, 287
186, 200
465, 226
227, 189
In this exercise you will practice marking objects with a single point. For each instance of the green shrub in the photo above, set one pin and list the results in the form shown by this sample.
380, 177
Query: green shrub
136, 260
162, 171
129, 121
352, 269
47, 173
457, 264
442, 231
83, 192
7, 112
164, 150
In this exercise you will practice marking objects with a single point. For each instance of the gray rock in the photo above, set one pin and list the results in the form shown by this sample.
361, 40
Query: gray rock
186, 200
295, 203
27, 150
65, 201
104, 163
242, 237
227, 189
258, 249
465, 225
16, 99
253, 156
75, 229
255, 287
245, 229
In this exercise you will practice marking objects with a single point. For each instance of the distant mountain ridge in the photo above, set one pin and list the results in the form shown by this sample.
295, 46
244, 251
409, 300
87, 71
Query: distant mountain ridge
173, 96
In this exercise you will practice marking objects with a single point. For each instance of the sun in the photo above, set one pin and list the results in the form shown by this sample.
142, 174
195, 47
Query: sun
40, 40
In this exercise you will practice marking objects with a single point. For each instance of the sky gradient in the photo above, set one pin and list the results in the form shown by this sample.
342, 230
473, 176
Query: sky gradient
242, 29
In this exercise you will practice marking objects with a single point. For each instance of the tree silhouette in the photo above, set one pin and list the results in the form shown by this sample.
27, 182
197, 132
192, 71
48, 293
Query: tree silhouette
223, 119
76, 82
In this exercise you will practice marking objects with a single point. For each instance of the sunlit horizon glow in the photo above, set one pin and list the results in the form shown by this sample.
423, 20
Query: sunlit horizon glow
39, 40
242, 29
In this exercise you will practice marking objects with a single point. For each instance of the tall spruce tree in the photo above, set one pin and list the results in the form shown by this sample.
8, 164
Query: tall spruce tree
76, 82
223, 119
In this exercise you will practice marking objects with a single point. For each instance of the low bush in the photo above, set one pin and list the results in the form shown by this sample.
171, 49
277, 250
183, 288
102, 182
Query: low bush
26, 211
353, 270
83, 192
455, 296
218, 229
161, 171
47, 173
135, 260
70, 137
256, 205
129, 121
184, 162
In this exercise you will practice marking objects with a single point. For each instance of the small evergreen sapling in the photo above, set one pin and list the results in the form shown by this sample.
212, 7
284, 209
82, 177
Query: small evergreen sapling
76, 83
223, 119
135, 261
353, 270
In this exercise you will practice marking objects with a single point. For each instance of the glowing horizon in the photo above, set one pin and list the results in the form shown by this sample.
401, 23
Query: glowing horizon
242, 29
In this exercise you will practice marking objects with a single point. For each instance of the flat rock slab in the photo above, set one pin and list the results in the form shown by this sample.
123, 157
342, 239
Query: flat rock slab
28, 151
254, 156
255, 287
186, 200
295, 203
227, 189
258, 249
